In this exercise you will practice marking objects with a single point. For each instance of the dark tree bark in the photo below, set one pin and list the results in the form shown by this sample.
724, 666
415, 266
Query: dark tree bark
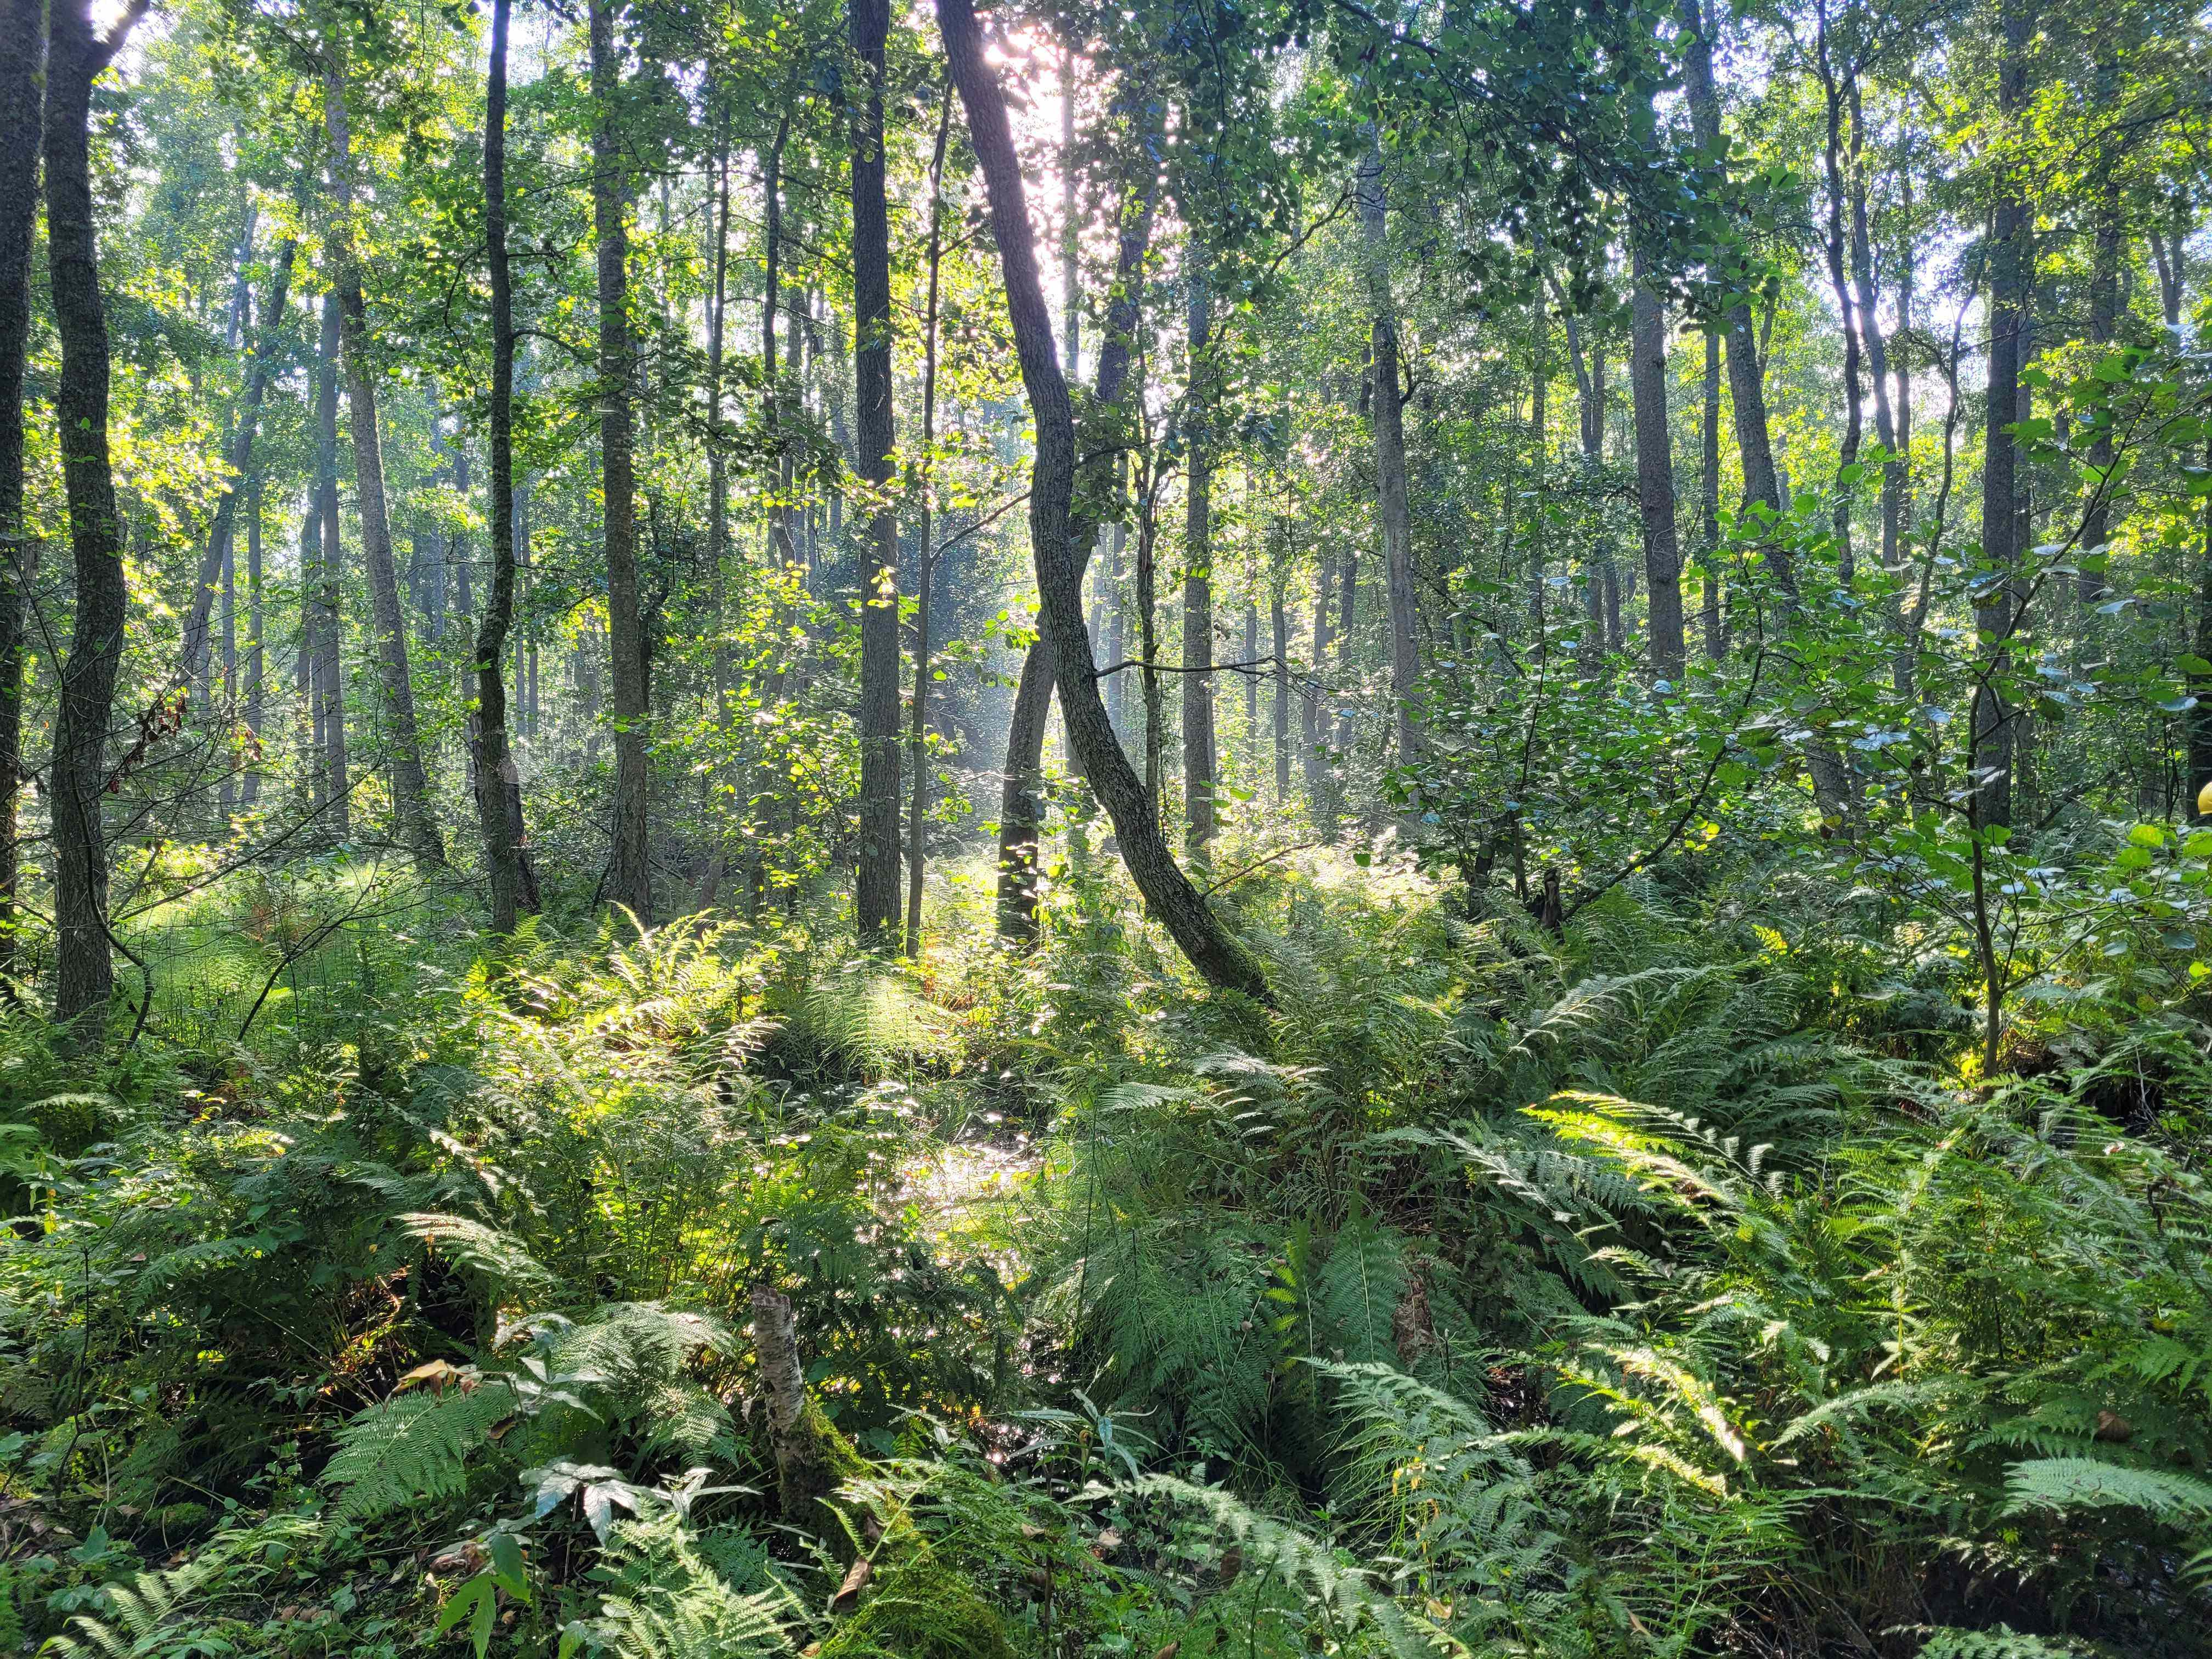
926, 557
85, 978
630, 878
1199, 746
1747, 381
877, 903
1168, 892
1655, 483
416, 829
257, 654
498, 780
2011, 255
1393, 514
1021, 807
1279, 626
20, 21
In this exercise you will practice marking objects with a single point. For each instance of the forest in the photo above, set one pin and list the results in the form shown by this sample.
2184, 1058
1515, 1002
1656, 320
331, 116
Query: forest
1190, 829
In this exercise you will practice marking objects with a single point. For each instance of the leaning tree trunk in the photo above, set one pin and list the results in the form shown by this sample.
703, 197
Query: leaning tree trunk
410, 792
1021, 806
20, 97
876, 897
1392, 509
1655, 482
629, 879
498, 780
1168, 892
85, 979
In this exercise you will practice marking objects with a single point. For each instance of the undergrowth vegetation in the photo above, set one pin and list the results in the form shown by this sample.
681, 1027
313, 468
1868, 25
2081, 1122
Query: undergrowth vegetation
1661, 1288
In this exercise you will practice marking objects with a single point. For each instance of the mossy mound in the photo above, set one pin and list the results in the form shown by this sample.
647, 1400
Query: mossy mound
921, 1610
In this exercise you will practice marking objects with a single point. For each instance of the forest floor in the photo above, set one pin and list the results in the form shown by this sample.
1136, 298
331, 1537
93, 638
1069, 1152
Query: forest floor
1670, 1286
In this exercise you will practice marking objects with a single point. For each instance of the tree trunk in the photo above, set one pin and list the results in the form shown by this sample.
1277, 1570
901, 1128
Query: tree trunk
1021, 808
410, 792
2103, 329
1168, 892
2009, 276
238, 457
86, 972
876, 900
1318, 800
926, 553
1709, 506
327, 669
20, 21
1279, 629
257, 654
1746, 387
498, 780
1392, 511
1886, 429
1833, 93
630, 878
1655, 483
1198, 747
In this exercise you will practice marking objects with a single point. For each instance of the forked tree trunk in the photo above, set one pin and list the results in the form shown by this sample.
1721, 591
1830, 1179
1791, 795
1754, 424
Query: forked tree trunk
1021, 807
630, 878
876, 899
20, 21
498, 780
410, 791
85, 970
1168, 892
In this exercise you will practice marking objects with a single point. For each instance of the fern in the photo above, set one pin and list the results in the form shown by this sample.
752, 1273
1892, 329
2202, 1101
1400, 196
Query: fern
414, 1448
664, 1599
2066, 1483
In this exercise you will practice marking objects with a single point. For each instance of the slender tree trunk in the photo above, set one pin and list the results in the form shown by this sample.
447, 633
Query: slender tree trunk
2103, 329
2010, 246
21, 90
257, 655
1833, 97
328, 667
86, 971
1318, 799
877, 899
1746, 387
1348, 586
1392, 510
1198, 748
1021, 807
1655, 483
630, 880
410, 791
1279, 630
1149, 646
1168, 892
1865, 296
926, 553
239, 456
498, 779
1709, 506
227, 785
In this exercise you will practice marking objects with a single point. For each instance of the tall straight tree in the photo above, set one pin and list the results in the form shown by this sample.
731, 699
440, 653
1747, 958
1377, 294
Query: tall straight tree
877, 891
2011, 266
629, 877
320, 595
85, 971
925, 554
1655, 478
1709, 505
1199, 746
1392, 508
21, 21
499, 780
1167, 893
417, 832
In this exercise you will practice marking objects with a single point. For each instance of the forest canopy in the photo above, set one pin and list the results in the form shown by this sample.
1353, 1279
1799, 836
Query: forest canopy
1311, 827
